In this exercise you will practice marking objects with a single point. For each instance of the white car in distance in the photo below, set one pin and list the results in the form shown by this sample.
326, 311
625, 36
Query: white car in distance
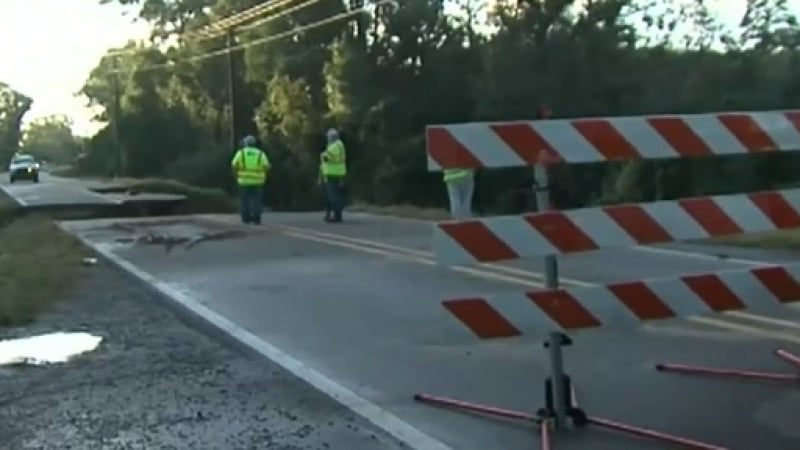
23, 167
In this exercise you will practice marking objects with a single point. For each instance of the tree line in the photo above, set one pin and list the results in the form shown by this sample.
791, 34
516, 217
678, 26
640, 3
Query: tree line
381, 76
48, 138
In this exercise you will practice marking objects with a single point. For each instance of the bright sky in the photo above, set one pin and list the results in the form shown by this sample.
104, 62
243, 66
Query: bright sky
48, 48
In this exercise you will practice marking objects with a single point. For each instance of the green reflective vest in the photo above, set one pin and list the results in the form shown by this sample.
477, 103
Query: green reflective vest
250, 164
453, 175
334, 160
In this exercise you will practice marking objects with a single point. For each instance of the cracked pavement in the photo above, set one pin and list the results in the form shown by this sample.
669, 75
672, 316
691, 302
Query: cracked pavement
154, 383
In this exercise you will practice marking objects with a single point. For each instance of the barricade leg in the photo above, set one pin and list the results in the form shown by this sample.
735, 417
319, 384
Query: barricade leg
788, 357
785, 355
560, 396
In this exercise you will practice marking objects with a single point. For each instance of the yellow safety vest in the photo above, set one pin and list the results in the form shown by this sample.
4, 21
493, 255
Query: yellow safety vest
453, 175
335, 162
250, 163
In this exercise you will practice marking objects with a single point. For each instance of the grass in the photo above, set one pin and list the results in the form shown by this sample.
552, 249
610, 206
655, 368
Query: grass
781, 239
63, 171
38, 262
199, 200
406, 211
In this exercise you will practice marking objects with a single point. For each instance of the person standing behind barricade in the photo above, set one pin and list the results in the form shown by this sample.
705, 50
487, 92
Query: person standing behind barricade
250, 167
333, 165
460, 184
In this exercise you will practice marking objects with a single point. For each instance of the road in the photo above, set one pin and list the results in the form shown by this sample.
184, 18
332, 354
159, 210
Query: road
354, 309
62, 192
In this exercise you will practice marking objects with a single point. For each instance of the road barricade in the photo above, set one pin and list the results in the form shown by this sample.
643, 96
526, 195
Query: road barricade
541, 143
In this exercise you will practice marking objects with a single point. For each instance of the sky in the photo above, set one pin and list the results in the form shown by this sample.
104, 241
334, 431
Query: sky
48, 48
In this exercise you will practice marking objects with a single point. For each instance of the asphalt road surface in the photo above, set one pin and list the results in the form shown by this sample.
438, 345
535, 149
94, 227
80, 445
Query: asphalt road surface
51, 191
59, 192
354, 309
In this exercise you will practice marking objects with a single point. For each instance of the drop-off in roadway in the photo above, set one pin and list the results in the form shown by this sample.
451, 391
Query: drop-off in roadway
355, 310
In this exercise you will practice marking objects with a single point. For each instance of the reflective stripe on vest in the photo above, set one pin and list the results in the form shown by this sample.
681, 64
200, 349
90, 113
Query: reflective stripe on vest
250, 167
451, 175
336, 165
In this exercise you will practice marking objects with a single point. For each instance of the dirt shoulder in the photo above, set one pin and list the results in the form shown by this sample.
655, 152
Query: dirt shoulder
154, 383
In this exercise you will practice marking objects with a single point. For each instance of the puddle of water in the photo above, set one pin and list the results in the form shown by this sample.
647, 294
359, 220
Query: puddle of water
46, 348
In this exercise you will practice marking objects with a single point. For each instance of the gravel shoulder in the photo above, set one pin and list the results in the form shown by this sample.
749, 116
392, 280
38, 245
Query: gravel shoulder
154, 383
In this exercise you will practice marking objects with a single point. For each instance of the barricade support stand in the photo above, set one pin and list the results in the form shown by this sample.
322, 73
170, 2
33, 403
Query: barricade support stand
785, 355
561, 411
542, 143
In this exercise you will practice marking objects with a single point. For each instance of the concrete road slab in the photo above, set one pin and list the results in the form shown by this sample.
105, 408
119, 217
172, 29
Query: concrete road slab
373, 323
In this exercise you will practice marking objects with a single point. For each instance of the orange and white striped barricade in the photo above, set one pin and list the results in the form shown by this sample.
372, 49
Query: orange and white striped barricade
548, 233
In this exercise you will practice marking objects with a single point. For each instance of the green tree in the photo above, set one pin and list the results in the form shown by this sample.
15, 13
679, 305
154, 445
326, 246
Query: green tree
51, 139
381, 77
13, 107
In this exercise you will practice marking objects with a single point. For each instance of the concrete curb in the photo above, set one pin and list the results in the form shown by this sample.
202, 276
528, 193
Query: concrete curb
194, 314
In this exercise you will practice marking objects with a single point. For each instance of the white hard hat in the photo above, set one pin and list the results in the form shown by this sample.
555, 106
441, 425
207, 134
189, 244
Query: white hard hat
331, 133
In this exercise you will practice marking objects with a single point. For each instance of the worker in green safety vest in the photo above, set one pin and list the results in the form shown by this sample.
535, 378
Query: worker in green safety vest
333, 170
250, 166
460, 188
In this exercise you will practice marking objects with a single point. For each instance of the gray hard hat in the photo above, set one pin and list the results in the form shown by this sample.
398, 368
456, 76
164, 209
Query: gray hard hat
332, 133
249, 140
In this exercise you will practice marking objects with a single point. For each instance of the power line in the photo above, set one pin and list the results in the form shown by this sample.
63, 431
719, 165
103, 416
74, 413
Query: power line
120, 52
264, 40
278, 15
266, 19
222, 26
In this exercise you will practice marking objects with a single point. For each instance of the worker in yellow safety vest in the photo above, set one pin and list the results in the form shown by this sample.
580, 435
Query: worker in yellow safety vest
333, 169
460, 184
250, 166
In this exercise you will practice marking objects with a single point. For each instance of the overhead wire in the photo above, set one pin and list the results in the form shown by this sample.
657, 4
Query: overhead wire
260, 41
220, 27
278, 15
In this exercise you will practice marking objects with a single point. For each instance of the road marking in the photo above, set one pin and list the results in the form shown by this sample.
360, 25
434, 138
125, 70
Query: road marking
764, 319
414, 256
662, 250
721, 322
381, 418
418, 259
703, 256
746, 329
428, 255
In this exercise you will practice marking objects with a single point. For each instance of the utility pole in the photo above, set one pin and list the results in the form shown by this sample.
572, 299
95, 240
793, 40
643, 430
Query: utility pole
231, 90
122, 161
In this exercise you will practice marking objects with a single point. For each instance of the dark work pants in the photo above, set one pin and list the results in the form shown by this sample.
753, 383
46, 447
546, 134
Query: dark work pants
334, 198
251, 203
326, 198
